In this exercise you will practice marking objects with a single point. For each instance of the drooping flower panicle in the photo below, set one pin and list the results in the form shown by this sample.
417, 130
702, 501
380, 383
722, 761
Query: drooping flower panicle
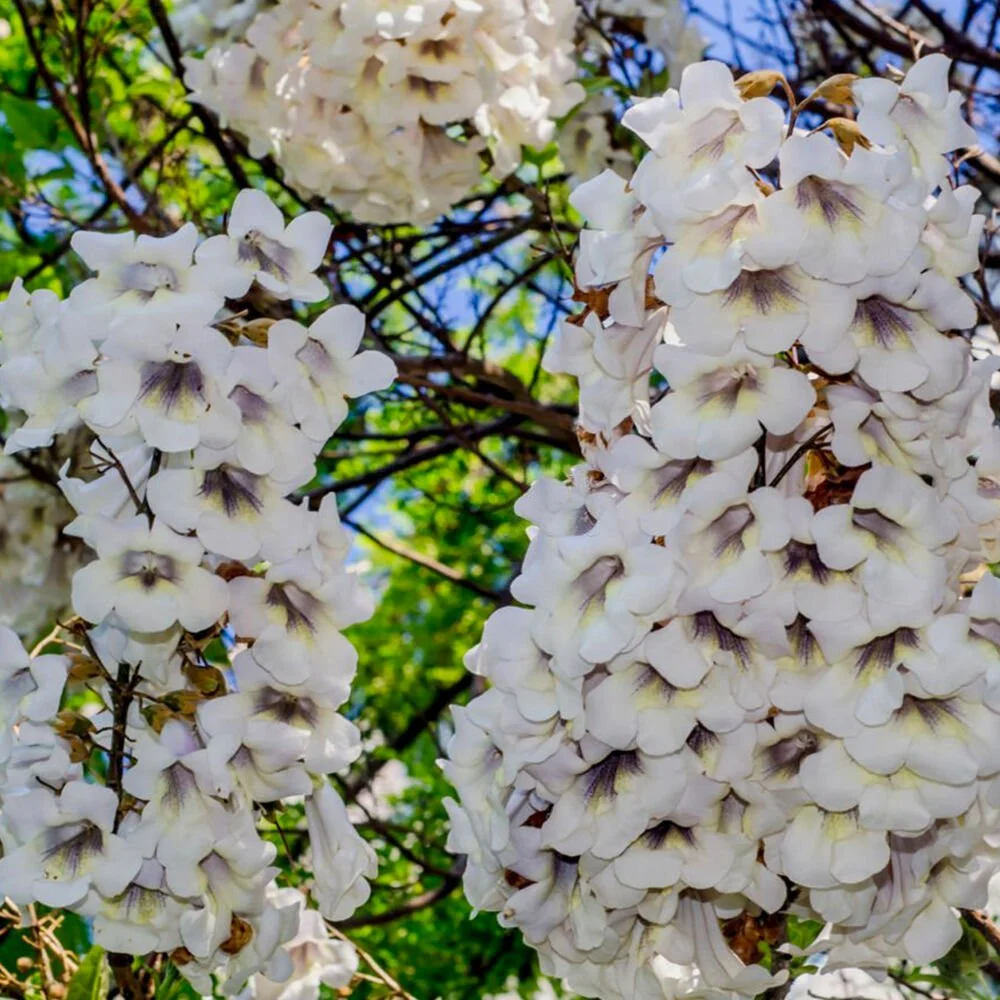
384, 108
144, 812
752, 676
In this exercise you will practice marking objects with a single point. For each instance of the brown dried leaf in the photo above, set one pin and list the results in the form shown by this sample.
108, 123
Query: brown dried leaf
536, 819
596, 301
516, 881
240, 935
827, 482
84, 668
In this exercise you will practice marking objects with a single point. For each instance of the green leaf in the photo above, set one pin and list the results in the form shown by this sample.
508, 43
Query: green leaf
597, 84
35, 125
802, 933
92, 978
173, 986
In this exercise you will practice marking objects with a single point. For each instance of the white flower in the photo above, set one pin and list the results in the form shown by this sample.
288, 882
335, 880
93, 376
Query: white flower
295, 615
174, 773
318, 959
726, 538
892, 527
153, 654
267, 442
25, 318
748, 665
837, 211
718, 964
920, 114
953, 230
263, 735
716, 406
361, 103
703, 138
902, 800
823, 850
771, 307
612, 365
635, 786
282, 722
144, 917
225, 863
679, 851
342, 861
585, 142
893, 339
144, 277
68, 846
49, 389
197, 445
30, 688
509, 656
320, 367
175, 403
618, 234
864, 682
150, 577
635, 706
259, 247
106, 496
233, 512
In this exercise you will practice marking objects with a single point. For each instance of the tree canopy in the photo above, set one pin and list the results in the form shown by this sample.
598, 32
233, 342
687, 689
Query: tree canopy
97, 132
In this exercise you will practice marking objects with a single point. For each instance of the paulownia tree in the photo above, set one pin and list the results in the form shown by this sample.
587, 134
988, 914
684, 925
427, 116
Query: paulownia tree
312, 309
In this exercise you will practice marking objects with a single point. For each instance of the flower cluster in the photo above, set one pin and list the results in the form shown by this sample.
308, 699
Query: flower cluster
752, 678
200, 684
200, 23
379, 106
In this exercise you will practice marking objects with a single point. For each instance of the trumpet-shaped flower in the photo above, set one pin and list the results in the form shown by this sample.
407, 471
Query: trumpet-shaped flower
145, 277
320, 367
66, 846
837, 212
704, 136
150, 577
920, 115
342, 863
258, 246
717, 405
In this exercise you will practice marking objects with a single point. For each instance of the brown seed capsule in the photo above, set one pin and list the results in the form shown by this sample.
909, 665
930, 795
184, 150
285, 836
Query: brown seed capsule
256, 330
79, 751
515, 880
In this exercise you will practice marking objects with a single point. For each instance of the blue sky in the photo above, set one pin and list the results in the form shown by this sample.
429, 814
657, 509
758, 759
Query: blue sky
742, 15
